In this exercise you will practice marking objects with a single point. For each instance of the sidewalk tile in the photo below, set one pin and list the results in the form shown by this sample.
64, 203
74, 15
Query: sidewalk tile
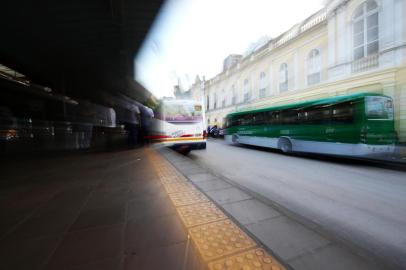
150, 207
87, 246
108, 264
332, 258
228, 195
201, 177
213, 184
27, 253
250, 211
102, 216
169, 257
154, 232
286, 238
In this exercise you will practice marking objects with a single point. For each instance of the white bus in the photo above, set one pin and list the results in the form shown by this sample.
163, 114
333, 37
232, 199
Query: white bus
179, 124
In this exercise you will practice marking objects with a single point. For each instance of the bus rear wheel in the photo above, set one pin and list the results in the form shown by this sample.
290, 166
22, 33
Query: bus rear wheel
285, 145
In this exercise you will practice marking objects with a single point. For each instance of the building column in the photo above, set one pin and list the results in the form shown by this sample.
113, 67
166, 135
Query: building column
270, 82
295, 70
331, 31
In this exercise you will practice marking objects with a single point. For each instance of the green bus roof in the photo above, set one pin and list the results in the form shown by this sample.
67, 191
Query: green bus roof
330, 100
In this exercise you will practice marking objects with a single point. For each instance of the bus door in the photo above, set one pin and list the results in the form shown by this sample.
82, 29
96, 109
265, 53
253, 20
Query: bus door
316, 123
345, 122
379, 128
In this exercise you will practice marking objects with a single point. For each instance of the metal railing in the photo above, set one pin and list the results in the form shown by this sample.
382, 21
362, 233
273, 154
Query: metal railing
366, 63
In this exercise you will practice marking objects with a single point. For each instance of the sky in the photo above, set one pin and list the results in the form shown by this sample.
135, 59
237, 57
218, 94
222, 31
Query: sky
193, 37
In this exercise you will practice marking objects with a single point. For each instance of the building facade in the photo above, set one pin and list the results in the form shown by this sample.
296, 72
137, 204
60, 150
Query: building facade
195, 91
347, 47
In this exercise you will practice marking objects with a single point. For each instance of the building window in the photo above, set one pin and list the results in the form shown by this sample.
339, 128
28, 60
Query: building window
262, 85
247, 90
366, 30
215, 101
313, 67
208, 103
234, 95
283, 77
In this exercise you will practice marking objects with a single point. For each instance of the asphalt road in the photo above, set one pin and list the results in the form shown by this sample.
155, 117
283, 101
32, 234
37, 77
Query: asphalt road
359, 202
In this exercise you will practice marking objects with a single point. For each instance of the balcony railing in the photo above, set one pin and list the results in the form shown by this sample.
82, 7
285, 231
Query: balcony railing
366, 63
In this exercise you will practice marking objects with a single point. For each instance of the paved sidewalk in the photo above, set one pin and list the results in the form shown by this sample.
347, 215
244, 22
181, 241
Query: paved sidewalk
298, 242
121, 210
93, 211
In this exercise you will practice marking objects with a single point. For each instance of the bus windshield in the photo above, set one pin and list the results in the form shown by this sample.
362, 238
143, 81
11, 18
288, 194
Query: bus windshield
182, 112
377, 107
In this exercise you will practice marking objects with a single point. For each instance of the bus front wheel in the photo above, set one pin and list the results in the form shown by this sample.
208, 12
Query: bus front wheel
285, 145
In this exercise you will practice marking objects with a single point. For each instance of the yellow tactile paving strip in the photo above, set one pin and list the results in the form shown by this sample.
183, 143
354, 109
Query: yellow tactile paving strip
179, 187
217, 239
198, 214
188, 197
253, 259
172, 180
220, 242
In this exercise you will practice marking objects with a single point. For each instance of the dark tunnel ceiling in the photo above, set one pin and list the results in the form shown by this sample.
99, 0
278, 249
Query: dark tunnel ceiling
80, 47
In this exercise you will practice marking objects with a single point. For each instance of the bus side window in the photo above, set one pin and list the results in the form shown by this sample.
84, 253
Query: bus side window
268, 118
248, 119
302, 116
239, 120
275, 118
343, 113
318, 115
231, 121
245, 120
289, 117
236, 120
255, 118
259, 118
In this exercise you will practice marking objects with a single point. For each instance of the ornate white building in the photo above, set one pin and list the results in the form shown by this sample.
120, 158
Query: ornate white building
349, 46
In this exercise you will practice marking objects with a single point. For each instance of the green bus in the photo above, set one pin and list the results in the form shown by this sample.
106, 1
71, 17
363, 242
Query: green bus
352, 125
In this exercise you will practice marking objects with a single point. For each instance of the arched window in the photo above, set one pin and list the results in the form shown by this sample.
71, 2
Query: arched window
223, 98
234, 95
366, 30
215, 101
208, 103
283, 77
313, 67
262, 85
247, 90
